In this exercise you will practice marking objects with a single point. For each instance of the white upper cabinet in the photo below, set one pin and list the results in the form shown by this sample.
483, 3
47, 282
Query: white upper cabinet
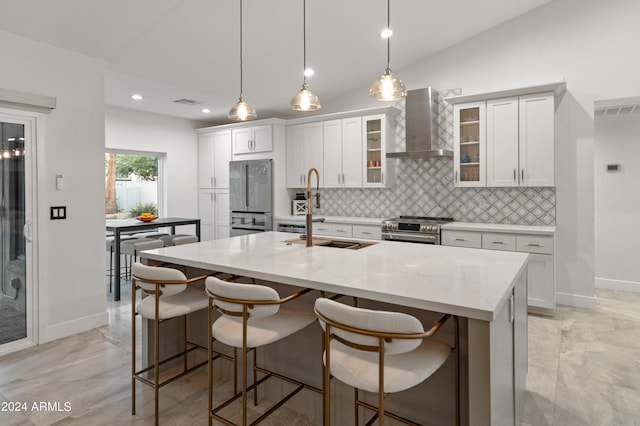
304, 150
520, 141
537, 140
343, 153
248, 140
469, 147
502, 142
378, 139
214, 154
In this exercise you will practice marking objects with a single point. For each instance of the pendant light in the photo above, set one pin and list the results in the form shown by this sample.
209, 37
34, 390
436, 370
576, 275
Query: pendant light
305, 99
388, 87
241, 111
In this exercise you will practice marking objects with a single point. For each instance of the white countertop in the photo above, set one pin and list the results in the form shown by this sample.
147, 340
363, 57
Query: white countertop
467, 282
498, 227
332, 219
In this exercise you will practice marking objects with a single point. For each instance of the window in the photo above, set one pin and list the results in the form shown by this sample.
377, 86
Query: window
132, 184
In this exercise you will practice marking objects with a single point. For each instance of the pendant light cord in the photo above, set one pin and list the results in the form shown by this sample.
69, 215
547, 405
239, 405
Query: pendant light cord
241, 49
389, 38
304, 41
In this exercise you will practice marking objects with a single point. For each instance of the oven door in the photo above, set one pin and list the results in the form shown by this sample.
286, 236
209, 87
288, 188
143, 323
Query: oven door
412, 238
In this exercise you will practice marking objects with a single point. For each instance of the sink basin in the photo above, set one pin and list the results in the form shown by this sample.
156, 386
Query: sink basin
326, 242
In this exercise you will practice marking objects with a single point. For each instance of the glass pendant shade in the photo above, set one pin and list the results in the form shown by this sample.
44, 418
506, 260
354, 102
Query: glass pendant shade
388, 87
305, 100
242, 111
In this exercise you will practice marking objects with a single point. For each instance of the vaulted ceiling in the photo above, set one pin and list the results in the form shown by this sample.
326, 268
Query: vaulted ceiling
189, 49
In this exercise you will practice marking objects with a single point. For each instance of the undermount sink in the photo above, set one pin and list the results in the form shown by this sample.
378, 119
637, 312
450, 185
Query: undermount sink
326, 242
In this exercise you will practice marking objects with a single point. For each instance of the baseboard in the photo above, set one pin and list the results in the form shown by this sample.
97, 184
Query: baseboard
575, 300
609, 284
76, 326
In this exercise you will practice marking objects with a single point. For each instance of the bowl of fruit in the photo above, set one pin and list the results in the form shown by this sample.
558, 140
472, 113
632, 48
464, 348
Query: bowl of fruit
147, 217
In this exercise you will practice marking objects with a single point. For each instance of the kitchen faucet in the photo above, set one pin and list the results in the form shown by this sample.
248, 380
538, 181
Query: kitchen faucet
309, 205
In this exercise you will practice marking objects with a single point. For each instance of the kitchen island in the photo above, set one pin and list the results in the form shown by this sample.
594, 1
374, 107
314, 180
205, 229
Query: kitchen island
486, 289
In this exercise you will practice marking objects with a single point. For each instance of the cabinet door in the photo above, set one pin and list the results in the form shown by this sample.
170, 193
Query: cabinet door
205, 160
469, 239
312, 151
294, 142
221, 158
332, 154
371, 232
375, 140
262, 138
537, 140
502, 142
469, 136
352, 157
241, 140
206, 213
221, 214
541, 281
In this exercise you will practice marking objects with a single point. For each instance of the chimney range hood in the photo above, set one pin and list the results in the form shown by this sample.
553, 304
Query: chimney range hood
420, 106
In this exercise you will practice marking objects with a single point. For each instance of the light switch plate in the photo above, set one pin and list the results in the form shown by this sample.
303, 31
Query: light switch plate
58, 212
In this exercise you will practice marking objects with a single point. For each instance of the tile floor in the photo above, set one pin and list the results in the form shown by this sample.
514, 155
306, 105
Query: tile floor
583, 370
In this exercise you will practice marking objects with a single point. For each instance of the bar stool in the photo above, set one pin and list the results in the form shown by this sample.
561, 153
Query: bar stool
169, 240
381, 352
169, 296
110, 245
132, 247
252, 316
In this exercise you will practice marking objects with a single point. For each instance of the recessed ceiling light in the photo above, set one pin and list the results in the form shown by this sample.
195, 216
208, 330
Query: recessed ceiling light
386, 33
206, 110
308, 72
136, 97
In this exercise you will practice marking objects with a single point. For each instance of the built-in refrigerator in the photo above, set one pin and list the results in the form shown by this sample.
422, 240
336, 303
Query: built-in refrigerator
250, 196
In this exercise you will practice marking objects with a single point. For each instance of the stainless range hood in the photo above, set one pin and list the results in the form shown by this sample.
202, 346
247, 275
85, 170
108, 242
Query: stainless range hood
420, 107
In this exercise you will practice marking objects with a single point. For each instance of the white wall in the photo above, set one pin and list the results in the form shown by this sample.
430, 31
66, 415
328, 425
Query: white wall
70, 140
588, 42
133, 130
617, 202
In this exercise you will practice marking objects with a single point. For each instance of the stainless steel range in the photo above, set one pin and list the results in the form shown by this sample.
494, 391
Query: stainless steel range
414, 229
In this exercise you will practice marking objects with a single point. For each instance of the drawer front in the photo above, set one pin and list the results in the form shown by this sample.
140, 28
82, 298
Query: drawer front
498, 241
461, 239
367, 231
340, 230
541, 244
322, 229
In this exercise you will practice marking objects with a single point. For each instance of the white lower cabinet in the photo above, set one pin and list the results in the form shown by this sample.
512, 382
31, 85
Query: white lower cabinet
541, 268
371, 232
213, 211
332, 229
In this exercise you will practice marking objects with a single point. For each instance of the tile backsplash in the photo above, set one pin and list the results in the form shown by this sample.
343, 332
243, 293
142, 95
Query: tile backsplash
424, 187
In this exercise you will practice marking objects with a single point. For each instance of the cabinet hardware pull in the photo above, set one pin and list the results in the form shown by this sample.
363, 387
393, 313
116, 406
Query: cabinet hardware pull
522, 174
211, 180
514, 175
460, 239
511, 309
534, 245
214, 181
366, 233
455, 177
497, 242
382, 178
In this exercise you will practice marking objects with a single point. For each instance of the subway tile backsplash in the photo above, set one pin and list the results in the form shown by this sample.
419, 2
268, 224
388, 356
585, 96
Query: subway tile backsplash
424, 187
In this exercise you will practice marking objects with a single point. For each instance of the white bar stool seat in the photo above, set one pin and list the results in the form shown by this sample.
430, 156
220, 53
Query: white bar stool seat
359, 341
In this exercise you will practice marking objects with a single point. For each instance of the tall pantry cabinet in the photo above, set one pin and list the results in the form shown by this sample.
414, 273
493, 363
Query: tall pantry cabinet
214, 154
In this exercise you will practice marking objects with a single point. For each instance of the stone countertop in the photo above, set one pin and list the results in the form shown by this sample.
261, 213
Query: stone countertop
332, 219
466, 282
498, 227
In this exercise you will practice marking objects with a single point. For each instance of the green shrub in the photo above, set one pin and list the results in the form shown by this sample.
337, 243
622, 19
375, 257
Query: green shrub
143, 208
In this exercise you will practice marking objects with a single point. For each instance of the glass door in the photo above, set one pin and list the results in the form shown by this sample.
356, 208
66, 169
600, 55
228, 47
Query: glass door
15, 228
469, 144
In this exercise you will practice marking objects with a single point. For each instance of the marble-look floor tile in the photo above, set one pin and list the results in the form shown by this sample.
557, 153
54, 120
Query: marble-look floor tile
581, 401
540, 396
544, 337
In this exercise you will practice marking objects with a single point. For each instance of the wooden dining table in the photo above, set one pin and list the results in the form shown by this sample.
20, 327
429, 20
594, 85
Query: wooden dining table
120, 226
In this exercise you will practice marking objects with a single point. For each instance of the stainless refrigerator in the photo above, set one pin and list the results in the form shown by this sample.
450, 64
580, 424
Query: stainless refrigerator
250, 196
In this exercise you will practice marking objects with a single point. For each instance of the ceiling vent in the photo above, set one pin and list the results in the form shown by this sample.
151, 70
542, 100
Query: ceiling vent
185, 101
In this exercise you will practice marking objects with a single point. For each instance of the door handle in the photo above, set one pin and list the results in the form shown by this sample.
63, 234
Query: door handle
514, 175
26, 230
522, 175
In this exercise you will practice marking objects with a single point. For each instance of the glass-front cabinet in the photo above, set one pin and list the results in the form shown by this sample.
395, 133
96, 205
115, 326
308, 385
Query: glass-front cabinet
378, 140
469, 137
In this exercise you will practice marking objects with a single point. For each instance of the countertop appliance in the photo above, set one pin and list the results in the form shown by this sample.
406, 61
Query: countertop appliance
250, 196
414, 229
